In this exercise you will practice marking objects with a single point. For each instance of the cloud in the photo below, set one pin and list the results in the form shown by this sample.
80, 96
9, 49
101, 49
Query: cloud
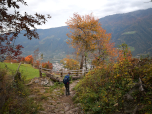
61, 10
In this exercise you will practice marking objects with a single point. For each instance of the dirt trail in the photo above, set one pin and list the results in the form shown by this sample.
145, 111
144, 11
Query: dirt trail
58, 103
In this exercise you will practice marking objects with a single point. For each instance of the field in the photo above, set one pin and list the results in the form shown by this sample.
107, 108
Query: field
131, 48
129, 32
26, 69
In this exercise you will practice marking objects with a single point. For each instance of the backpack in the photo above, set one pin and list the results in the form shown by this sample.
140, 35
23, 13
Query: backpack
66, 79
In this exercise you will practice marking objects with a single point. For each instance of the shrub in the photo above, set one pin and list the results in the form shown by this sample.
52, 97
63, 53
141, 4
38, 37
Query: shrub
102, 90
14, 96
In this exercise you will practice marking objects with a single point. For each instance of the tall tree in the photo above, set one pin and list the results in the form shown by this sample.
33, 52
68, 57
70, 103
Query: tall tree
86, 35
83, 30
11, 24
103, 47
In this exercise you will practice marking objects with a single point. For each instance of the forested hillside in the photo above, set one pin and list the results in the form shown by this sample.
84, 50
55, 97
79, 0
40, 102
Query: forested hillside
52, 43
134, 28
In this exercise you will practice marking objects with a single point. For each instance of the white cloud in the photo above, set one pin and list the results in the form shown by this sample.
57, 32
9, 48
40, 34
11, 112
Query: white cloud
61, 10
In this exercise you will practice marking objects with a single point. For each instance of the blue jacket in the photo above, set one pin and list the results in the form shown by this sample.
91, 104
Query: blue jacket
68, 78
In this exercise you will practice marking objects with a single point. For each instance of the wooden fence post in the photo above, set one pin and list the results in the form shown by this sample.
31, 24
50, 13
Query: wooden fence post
84, 73
77, 72
62, 73
40, 72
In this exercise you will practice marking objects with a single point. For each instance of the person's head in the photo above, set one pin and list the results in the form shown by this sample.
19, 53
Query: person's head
69, 73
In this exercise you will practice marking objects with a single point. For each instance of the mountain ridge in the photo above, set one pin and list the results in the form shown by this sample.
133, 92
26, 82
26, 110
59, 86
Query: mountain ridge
133, 28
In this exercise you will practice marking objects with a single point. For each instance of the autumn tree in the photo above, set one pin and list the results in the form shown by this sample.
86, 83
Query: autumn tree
29, 59
86, 35
11, 24
47, 65
124, 53
23, 59
70, 64
104, 48
83, 30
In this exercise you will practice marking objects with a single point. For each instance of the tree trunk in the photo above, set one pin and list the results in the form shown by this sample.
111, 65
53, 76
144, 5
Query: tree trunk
81, 64
53, 78
16, 72
85, 62
40, 72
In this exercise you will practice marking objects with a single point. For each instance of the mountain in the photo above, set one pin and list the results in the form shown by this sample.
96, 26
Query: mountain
51, 42
133, 28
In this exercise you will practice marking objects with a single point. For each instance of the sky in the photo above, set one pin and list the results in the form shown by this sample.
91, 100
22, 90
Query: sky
62, 10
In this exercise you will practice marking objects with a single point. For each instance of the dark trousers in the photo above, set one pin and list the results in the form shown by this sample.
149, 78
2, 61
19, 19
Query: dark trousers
67, 89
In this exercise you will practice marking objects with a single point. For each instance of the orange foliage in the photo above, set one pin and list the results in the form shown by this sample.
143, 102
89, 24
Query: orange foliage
70, 64
14, 61
8, 59
124, 53
23, 59
84, 30
29, 59
87, 35
47, 65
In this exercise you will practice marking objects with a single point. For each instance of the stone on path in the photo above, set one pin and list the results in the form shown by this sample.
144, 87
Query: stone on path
62, 104
32, 96
42, 90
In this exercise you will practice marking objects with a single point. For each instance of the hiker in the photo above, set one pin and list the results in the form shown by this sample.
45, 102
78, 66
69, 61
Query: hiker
66, 81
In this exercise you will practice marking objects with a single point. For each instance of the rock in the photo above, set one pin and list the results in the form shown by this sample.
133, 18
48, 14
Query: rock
67, 108
51, 106
59, 106
42, 90
66, 104
69, 112
61, 112
42, 112
52, 102
79, 104
50, 84
36, 81
56, 110
44, 82
32, 96
75, 109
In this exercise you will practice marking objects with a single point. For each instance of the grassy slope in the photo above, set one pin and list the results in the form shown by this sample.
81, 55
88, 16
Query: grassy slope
26, 69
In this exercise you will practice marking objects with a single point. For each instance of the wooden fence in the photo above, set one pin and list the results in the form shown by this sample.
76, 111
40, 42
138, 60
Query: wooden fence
79, 72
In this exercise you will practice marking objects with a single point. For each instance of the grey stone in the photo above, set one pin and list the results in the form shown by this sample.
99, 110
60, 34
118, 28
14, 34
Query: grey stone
75, 109
44, 82
66, 104
50, 106
42, 90
32, 96
66, 108
69, 112
61, 112
56, 110
51, 101
50, 84
43, 112
36, 81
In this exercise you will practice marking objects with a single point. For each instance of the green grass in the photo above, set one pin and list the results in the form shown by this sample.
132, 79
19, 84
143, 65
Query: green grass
131, 48
26, 69
129, 32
